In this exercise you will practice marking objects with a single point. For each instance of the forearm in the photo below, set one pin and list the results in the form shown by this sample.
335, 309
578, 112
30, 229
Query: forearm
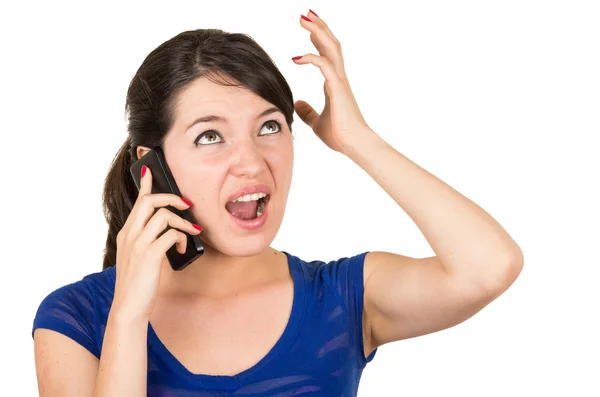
466, 239
123, 362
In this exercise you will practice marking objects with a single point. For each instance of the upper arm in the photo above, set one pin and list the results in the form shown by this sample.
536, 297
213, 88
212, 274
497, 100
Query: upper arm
64, 368
66, 346
407, 297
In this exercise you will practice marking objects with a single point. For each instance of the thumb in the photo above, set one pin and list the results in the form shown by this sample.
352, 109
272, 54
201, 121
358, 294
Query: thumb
306, 112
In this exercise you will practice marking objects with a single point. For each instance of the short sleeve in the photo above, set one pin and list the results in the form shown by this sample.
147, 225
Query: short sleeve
69, 310
346, 277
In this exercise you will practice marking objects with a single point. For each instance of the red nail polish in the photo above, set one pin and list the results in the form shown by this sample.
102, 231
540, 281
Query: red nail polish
296, 58
313, 12
144, 168
305, 18
197, 226
188, 202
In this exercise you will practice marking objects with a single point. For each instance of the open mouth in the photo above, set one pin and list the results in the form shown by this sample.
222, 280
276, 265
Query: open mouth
248, 207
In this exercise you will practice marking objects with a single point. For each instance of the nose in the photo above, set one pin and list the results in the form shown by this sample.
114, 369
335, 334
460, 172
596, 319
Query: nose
248, 160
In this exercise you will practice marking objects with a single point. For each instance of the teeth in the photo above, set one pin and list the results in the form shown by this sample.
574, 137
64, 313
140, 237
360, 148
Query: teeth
250, 197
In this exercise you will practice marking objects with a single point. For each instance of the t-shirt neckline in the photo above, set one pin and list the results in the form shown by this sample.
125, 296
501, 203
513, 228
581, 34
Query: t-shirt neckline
235, 381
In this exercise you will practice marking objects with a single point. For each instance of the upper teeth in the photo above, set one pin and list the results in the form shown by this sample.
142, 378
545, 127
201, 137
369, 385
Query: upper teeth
250, 197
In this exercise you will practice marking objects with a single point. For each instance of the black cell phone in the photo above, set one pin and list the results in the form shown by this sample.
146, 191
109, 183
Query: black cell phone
163, 182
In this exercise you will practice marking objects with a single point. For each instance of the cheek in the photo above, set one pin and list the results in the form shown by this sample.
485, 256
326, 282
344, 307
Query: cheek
200, 181
281, 161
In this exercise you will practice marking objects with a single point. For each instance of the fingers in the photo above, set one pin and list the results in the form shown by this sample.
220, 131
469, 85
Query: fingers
166, 241
324, 41
323, 63
306, 112
145, 181
145, 189
317, 20
146, 204
159, 222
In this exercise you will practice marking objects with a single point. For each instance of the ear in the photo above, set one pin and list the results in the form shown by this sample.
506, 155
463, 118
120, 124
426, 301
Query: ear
141, 150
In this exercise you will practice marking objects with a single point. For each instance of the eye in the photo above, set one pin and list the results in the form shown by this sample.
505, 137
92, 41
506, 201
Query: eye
273, 127
208, 138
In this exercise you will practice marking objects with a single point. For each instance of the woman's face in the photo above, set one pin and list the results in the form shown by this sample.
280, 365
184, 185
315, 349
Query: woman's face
243, 150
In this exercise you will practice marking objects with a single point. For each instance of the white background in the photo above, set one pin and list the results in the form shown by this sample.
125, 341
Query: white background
499, 99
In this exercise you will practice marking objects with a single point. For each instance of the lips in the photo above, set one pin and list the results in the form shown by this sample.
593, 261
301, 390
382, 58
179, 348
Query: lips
251, 223
249, 189
245, 221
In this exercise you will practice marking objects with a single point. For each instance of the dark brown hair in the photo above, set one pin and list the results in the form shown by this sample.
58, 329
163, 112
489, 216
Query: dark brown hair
225, 58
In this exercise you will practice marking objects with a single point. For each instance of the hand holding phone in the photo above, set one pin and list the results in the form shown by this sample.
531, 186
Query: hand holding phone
164, 182
142, 244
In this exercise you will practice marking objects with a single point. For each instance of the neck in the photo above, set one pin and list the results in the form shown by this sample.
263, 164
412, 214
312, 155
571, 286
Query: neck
217, 275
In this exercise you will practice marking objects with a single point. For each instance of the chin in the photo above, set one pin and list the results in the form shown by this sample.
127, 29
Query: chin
232, 238
237, 246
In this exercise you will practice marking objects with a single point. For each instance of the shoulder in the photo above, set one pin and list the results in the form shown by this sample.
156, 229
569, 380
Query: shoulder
338, 267
344, 275
84, 292
78, 309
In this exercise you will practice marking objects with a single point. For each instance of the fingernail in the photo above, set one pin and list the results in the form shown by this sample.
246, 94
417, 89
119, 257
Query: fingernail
144, 168
188, 202
313, 12
197, 226
305, 18
296, 58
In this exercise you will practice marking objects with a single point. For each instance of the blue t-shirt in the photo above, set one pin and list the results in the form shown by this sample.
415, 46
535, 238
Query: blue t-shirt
320, 352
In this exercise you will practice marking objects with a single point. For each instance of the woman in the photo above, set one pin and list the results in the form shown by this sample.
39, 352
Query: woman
244, 318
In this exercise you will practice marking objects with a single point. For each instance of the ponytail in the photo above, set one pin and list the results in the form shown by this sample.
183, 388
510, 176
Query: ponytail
118, 198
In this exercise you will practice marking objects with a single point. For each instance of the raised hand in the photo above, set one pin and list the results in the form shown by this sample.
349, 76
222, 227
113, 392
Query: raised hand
341, 119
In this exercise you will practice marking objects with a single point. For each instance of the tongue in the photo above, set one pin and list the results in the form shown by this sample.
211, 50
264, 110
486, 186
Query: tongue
242, 209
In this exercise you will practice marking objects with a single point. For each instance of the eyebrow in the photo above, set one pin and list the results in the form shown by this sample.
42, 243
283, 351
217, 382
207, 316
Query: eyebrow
212, 117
